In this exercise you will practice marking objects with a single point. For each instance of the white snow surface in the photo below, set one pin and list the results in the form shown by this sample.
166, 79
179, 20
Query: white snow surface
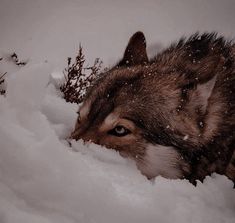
42, 178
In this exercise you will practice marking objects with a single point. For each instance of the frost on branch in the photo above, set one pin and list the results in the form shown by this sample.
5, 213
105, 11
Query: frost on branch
78, 78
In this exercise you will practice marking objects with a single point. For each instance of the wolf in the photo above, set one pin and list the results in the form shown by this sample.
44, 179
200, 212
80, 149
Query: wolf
173, 114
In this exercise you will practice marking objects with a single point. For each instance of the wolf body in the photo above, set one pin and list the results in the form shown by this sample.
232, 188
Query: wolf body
173, 114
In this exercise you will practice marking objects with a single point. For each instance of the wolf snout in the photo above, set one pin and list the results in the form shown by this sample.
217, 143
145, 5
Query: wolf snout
87, 139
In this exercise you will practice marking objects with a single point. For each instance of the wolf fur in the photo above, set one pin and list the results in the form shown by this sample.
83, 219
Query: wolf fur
173, 114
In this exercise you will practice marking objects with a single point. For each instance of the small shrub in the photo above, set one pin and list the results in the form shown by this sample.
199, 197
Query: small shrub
78, 78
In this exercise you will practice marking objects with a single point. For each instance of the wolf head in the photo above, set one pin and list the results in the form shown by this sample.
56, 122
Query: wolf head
167, 112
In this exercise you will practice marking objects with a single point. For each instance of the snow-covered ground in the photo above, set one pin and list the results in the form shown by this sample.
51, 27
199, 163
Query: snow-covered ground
42, 179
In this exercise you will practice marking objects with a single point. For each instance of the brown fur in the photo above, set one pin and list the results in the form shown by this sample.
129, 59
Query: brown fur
182, 99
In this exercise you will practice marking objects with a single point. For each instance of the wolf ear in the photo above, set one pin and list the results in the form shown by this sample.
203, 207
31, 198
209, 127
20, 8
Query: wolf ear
135, 52
199, 95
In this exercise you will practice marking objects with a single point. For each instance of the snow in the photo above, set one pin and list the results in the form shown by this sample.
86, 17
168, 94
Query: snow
42, 178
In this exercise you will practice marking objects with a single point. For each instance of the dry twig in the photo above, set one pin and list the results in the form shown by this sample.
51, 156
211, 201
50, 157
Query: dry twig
2, 92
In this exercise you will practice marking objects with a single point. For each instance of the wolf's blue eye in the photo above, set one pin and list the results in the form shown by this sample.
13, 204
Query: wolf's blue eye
119, 131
